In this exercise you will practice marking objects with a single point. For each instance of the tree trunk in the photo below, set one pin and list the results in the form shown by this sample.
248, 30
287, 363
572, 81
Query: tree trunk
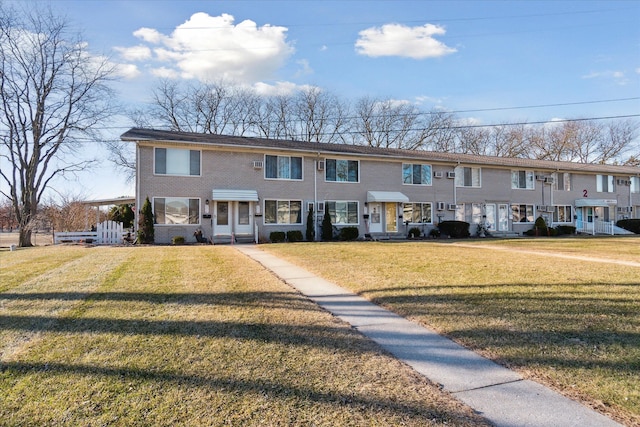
24, 239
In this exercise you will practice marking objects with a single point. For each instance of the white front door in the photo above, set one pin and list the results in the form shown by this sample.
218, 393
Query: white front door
221, 220
490, 216
503, 217
375, 218
243, 223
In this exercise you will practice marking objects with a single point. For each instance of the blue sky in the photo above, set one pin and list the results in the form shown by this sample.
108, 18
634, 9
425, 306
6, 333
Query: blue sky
485, 60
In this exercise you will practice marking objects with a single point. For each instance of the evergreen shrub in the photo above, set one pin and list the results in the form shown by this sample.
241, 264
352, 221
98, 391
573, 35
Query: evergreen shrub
294, 236
277, 236
348, 233
454, 229
632, 225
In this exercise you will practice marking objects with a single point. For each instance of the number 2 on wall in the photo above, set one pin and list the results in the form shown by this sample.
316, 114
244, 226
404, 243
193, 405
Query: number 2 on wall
585, 193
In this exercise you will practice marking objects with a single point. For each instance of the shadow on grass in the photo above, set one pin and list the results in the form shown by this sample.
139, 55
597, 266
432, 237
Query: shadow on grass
288, 300
543, 327
358, 403
313, 336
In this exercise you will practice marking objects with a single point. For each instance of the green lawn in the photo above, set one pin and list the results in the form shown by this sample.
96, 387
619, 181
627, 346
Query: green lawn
192, 335
569, 323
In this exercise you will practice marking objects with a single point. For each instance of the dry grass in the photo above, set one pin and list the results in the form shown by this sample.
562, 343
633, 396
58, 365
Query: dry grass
194, 335
569, 323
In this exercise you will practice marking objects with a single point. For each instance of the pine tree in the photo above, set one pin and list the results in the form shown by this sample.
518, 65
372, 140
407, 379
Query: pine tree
327, 227
311, 228
145, 223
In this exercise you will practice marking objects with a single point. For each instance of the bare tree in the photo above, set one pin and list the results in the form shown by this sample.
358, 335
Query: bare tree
387, 124
319, 116
52, 94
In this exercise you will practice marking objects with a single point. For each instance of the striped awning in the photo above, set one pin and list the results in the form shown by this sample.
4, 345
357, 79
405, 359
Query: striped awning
386, 196
235, 195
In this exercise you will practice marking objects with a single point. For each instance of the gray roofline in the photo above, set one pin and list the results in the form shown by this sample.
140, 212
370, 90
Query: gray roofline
152, 135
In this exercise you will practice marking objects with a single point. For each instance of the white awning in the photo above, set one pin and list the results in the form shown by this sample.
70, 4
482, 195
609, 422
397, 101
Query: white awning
580, 203
386, 196
235, 195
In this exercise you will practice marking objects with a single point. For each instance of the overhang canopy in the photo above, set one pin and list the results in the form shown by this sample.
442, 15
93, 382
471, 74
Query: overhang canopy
235, 195
580, 203
386, 196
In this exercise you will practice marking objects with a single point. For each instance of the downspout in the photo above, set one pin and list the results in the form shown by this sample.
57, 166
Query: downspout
315, 198
138, 204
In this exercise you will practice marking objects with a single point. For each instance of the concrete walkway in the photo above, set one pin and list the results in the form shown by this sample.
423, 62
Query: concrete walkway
500, 395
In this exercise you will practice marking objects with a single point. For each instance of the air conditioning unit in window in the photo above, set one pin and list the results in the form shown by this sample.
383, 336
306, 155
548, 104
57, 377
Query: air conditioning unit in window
623, 182
451, 175
625, 209
440, 206
320, 207
258, 164
549, 180
320, 165
540, 178
438, 174
544, 208
452, 206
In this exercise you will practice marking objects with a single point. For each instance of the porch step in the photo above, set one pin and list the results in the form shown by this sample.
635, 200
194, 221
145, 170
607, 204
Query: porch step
225, 239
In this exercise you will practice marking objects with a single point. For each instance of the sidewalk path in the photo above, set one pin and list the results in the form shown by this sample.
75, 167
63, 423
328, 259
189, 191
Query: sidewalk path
500, 395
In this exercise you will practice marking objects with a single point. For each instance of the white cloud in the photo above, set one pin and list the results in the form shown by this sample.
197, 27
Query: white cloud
213, 47
280, 88
400, 40
127, 71
619, 77
134, 53
165, 73
305, 68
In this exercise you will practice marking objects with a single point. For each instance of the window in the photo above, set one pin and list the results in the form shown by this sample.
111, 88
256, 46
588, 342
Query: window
341, 170
562, 214
416, 174
283, 212
283, 167
522, 179
342, 213
175, 161
605, 183
175, 210
562, 181
522, 213
417, 213
467, 177
635, 184
460, 213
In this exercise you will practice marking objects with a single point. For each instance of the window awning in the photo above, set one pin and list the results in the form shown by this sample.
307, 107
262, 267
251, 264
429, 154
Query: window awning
580, 203
235, 195
386, 196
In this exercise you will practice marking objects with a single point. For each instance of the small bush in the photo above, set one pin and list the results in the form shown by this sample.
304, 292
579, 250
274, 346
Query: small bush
348, 233
539, 228
454, 229
294, 236
177, 240
434, 233
277, 236
414, 232
565, 230
632, 225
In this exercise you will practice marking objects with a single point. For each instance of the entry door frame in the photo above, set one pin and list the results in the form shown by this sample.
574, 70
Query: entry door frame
238, 216
220, 227
391, 209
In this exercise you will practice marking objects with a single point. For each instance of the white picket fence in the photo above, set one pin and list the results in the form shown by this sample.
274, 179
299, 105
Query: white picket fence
107, 233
